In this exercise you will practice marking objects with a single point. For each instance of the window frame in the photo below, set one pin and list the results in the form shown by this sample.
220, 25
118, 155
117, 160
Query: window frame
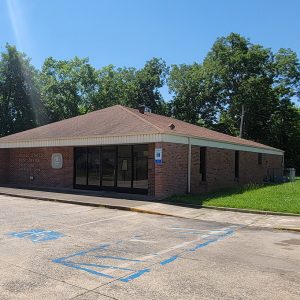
237, 164
203, 163
259, 158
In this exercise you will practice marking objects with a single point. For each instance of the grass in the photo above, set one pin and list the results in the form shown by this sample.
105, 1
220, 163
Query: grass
284, 197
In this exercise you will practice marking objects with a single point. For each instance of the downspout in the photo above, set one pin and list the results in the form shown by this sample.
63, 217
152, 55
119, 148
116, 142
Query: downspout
189, 164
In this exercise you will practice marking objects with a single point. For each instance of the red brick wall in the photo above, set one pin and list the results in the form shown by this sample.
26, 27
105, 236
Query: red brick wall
171, 176
36, 162
221, 169
4, 162
251, 171
17, 165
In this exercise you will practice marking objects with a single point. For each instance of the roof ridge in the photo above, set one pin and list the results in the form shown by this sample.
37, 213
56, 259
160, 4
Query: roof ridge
141, 118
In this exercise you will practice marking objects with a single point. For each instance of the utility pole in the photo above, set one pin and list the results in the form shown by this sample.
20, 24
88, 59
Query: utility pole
242, 121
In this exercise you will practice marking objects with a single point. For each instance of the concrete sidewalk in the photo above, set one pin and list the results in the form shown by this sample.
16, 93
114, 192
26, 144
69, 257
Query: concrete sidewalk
247, 219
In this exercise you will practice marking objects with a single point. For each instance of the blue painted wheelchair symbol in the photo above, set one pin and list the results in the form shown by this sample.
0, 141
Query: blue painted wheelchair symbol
37, 235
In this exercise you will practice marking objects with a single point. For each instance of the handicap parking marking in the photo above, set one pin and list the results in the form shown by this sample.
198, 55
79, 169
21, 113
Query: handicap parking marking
102, 260
37, 235
98, 266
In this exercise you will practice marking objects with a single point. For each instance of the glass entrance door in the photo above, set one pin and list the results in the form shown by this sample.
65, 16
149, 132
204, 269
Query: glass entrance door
122, 168
93, 167
109, 155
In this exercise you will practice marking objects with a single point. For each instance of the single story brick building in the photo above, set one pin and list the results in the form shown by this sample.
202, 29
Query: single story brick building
133, 151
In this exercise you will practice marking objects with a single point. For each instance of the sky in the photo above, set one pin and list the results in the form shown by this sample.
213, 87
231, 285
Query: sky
128, 33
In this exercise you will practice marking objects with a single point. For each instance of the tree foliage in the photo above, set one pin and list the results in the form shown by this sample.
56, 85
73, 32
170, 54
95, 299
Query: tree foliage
20, 102
68, 87
132, 87
237, 73
74, 87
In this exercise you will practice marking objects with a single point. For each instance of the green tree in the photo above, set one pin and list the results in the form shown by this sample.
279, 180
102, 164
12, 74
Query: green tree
237, 73
194, 99
148, 82
242, 75
20, 105
115, 86
68, 87
132, 87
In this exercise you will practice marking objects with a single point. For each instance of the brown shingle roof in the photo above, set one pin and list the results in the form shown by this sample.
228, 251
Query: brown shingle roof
120, 120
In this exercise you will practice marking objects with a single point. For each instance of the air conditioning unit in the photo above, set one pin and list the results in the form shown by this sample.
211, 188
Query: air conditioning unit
290, 174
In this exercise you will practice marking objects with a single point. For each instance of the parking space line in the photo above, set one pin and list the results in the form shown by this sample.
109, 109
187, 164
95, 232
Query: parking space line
118, 258
103, 220
211, 237
143, 241
169, 260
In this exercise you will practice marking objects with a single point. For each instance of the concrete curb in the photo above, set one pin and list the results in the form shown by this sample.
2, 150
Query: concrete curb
126, 208
243, 210
146, 211
287, 229
251, 211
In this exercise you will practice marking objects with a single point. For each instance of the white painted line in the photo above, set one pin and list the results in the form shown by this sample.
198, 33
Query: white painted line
103, 220
142, 241
188, 229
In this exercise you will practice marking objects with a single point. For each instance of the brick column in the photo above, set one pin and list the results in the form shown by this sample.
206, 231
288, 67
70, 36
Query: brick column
4, 162
171, 175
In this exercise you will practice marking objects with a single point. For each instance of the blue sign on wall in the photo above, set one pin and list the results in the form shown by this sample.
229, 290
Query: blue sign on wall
158, 156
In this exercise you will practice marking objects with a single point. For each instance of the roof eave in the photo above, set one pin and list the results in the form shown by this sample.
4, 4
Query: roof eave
137, 138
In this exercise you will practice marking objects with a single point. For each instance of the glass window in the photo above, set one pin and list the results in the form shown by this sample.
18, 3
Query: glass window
203, 163
81, 166
108, 166
124, 166
259, 158
140, 166
112, 167
237, 164
94, 166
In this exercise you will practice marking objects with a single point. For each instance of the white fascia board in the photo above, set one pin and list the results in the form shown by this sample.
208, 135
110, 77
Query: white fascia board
86, 141
134, 139
169, 138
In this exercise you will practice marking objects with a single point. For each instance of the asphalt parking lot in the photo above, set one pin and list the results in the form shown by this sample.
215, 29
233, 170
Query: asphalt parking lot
61, 251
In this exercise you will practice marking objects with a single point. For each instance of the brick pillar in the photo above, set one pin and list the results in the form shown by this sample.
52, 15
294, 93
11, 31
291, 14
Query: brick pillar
4, 162
171, 175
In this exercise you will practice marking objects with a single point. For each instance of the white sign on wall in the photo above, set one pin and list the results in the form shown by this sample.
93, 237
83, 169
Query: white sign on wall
57, 161
158, 156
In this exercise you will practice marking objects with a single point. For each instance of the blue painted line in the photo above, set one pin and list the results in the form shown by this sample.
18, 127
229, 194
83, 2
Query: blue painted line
99, 266
91, 271
212, 238
118, 258
82, 253
169, 260
202, 245
228, 233
135, 275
